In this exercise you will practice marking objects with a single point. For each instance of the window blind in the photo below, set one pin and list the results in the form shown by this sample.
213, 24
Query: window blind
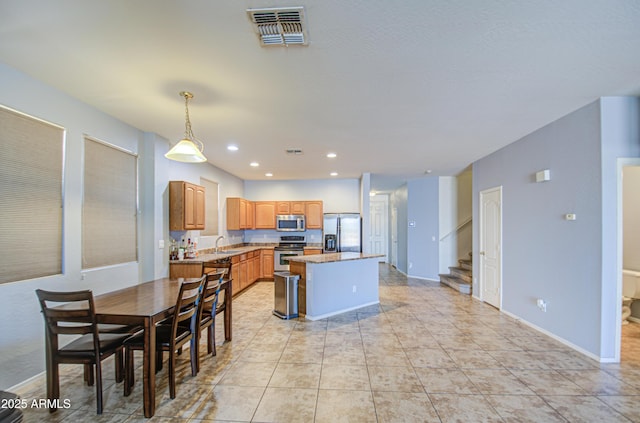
31, 160
210, 207
109, 205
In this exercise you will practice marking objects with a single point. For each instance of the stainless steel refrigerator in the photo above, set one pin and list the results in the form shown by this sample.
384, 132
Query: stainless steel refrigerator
342, 232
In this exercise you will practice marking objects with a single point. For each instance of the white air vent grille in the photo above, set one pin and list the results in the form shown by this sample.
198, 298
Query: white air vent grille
279, 26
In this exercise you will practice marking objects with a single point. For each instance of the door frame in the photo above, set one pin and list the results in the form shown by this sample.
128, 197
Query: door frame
622, 163
481, 230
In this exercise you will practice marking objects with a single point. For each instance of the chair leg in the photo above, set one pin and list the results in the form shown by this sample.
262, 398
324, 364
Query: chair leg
88, 374
118, 361
213, 335
128, 371
98, 386
53, 384
172, 374
158, 360
195, 360
209, 339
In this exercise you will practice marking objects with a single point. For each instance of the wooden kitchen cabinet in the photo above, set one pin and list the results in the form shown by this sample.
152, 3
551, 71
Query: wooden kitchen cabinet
313, 214
240, 214
185, 270
267, 264
290, 207
265, 214
283, 207
186, 206
312, 251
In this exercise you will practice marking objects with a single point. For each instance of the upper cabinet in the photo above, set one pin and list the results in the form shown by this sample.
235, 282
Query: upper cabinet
245, 214
265, 214
186, 206
313, 214
240, 214
290, 207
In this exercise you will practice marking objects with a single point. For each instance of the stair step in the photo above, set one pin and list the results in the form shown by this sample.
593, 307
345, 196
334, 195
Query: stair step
456, 283
464, 274
465, 264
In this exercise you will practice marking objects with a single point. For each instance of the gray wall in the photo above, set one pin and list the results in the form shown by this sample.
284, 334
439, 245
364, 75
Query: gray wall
570, 264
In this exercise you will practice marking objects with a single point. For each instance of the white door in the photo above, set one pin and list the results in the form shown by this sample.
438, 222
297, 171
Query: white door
379, 221
491, 246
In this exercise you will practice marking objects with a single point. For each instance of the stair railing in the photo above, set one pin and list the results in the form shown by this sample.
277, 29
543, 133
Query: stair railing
457, 228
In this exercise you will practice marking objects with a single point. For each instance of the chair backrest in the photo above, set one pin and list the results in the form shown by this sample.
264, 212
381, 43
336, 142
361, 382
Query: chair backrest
210, 294
78, 317
221, 265
187, 304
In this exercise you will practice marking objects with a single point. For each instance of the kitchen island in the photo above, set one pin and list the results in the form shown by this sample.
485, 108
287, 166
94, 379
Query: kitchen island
335, 283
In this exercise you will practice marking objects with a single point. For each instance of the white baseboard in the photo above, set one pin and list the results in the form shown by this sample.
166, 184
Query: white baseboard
561, 340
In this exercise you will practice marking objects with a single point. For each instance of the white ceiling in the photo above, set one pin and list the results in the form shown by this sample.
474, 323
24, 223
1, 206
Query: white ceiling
395, 88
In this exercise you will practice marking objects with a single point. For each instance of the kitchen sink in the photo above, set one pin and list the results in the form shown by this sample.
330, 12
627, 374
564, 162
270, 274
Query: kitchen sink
229, 252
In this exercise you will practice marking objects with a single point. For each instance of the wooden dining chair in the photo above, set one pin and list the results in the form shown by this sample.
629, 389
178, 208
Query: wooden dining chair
207, 313
170, 337
90, 348
221, 305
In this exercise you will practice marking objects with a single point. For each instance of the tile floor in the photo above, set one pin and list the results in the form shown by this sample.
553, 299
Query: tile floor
426, 354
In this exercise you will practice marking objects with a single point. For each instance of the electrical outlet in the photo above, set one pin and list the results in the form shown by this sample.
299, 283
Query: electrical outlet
161, 244
354, 289
542, 304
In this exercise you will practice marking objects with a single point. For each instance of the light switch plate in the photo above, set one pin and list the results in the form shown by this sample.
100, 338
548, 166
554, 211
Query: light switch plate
161, 244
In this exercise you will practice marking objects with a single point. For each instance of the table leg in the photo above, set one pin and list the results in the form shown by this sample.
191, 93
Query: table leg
228, 312
149, 369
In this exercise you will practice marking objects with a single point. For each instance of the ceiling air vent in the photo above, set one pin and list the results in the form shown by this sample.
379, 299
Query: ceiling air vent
279, 26
294, 151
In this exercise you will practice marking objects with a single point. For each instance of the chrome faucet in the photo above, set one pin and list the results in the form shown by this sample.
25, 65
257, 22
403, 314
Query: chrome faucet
218, 240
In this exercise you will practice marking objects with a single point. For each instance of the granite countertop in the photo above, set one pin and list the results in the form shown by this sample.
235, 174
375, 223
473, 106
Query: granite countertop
223, 254
332, 257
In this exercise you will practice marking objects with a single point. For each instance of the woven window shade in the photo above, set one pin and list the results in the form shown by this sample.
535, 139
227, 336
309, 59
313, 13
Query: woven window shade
31, 160
109, 206
210, 207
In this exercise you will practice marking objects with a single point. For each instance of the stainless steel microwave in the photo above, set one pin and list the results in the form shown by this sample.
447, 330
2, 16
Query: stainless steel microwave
290, 222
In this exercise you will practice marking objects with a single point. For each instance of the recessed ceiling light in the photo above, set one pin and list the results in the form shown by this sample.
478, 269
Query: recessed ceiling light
232, 147
254, 164
331, 155
334, 173
268, 174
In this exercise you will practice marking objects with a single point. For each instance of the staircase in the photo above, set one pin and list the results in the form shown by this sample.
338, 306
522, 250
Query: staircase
459, 277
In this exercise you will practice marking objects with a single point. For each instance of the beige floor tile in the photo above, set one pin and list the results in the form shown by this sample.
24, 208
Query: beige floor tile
464, 408
428, 357
598, 382
344, 377
445, 381
233, 403
495, 382
345, 406
249, 374
473, 359
296, 375
287, 405
628, 406
404, 407
399, 379
548, 382
584, 409
524, 409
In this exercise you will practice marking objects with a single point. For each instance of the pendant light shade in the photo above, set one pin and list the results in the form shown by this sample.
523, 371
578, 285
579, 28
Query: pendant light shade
189, 149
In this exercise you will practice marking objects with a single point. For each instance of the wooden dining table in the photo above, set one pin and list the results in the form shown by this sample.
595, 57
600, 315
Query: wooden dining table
146, 305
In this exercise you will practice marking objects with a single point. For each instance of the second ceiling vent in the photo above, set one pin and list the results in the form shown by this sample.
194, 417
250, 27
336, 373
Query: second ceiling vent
279, 26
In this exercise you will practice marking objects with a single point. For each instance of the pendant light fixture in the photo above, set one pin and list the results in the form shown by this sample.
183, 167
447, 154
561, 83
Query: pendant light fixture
189, 149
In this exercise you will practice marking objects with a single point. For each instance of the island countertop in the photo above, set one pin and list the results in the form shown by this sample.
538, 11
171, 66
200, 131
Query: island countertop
332, 257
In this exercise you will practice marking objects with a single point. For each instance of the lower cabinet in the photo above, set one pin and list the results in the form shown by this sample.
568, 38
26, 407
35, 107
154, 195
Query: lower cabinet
267, 264
185, 270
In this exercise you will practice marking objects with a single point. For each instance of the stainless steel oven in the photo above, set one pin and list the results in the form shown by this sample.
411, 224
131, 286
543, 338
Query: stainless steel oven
289, 246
